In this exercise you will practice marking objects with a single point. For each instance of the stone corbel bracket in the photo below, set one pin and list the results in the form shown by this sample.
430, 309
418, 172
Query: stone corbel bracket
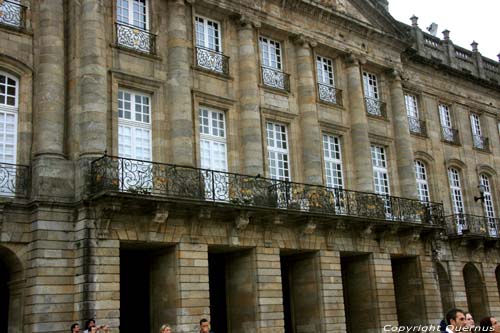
332, 233
409, 238
160, 216
197, 220
241, 221
104, 213
270, 227
382, 234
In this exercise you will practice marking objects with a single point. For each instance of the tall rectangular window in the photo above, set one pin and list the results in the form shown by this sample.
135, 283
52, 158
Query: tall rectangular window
324, 69
456, 191
270, 53
208, 34
9, 91
133, 12
277, 151
422, 181
477, 134
489, 209
449, 134
333, 161
411, 106
370, 85
380, 172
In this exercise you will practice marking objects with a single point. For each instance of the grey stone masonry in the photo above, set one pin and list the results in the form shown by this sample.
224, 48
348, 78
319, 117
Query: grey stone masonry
308, 114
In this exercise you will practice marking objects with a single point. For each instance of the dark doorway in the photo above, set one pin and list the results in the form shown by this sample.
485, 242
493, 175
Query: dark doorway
447, 301
4, 298
217, 281
135, 266
300, 286
409, 292
360, 300
476, 292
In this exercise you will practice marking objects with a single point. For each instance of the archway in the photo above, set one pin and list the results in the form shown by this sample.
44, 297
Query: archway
11, 286
447, 301
475, 291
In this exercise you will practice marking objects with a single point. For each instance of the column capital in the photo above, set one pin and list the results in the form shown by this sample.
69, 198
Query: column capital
301, 40
352, 59
395, 74
245, 22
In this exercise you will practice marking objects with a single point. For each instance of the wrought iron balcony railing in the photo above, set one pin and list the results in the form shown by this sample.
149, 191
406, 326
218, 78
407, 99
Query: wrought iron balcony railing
117, 174
375, 107
472, 225
480, 142
212, 60
275, 78
330, 94
135, 38
14, 180
417, 126
12, 14
450, 135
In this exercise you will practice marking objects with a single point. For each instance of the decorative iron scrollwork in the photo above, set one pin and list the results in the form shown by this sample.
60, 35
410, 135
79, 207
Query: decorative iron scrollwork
330, 94
12, 14
135, 38
417, 126
212, 61
466, 224
14, 180
375, 107
275, 78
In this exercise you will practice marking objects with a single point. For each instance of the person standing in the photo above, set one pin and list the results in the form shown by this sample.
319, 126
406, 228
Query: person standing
455, 319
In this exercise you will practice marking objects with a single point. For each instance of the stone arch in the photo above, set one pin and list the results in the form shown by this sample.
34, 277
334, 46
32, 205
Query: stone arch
476, 291
447, 300
11, 289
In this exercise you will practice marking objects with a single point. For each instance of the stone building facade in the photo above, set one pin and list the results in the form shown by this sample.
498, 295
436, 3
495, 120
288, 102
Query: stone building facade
275, 166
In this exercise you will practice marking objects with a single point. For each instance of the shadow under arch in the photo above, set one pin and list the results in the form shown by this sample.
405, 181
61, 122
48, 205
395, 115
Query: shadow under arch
447, 300
11, 289
475, 291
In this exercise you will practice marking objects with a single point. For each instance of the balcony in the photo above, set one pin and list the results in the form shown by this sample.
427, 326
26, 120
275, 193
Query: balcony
274, 78
14, 180
375, 107
179, 183
329, 94
472, 226
450, 135
212, 61
417, 126
134, 38
481, 143
12, 14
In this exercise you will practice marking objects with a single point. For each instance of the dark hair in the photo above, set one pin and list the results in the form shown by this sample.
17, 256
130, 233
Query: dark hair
203, 320
73, 326
485, 324
87, 323
452, 314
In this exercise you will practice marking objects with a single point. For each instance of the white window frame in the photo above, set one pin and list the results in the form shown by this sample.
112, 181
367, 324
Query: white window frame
10, 111
475, 124
381, 182
131, 17
271, 55
411, 104
422, 181
370, 85
445, 116
325, 71
457, 198
332, 153
208, 24
276, 153
489, 208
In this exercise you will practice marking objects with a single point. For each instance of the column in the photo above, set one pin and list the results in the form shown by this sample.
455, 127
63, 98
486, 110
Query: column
270, 318
92, 80
455, 272
384, 284
193, 302
331, 293
491, 284
50, 87
361, 150
251, 134
402, 138
308, 114
432, 292
179, 85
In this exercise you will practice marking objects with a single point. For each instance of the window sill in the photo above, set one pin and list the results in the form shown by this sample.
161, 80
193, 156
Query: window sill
330, 104
278, 91
214, 74
375, 117
135, 52
17, 30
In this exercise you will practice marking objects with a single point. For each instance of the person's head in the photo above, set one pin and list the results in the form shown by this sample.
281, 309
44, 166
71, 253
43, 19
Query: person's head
204, 326
455, 319
75, 328
89, 324
165, 328
469, 321
489, 324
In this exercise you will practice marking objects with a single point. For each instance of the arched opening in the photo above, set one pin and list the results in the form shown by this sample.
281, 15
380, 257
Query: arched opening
447, 301
497, 275
11, 286
475, 291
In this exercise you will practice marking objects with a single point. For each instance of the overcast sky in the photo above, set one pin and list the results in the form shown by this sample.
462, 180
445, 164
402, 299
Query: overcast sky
467, 20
